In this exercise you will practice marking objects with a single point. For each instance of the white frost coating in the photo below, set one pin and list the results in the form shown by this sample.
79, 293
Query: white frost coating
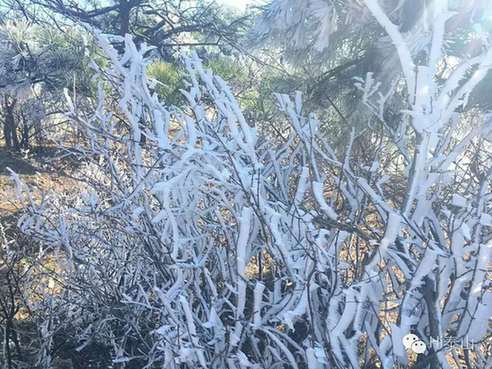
320, 198
192, 330
313, 360
482, 318
301, 186
486, 220
465, 230
290, 316
220, 192
399, 42
242, 242
242, 254
243, 360
458, 201
258, 297
291, 359
161, 128
440, 16
298, 102
392, 229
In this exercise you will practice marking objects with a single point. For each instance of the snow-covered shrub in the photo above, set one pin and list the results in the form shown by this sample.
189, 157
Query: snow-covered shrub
199, 241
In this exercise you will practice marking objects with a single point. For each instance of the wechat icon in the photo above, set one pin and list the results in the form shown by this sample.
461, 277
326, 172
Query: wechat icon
413, 343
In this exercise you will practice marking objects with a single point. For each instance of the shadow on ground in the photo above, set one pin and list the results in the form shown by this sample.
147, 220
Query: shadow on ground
16, 162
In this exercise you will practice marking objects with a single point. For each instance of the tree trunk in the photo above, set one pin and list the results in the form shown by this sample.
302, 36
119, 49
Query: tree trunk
25, 132
10, 128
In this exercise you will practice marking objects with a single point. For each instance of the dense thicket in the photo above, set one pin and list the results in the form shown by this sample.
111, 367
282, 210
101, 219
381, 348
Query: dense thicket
216, 232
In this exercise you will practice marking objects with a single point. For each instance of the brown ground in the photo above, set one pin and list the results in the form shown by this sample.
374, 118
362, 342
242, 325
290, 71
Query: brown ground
40, 169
